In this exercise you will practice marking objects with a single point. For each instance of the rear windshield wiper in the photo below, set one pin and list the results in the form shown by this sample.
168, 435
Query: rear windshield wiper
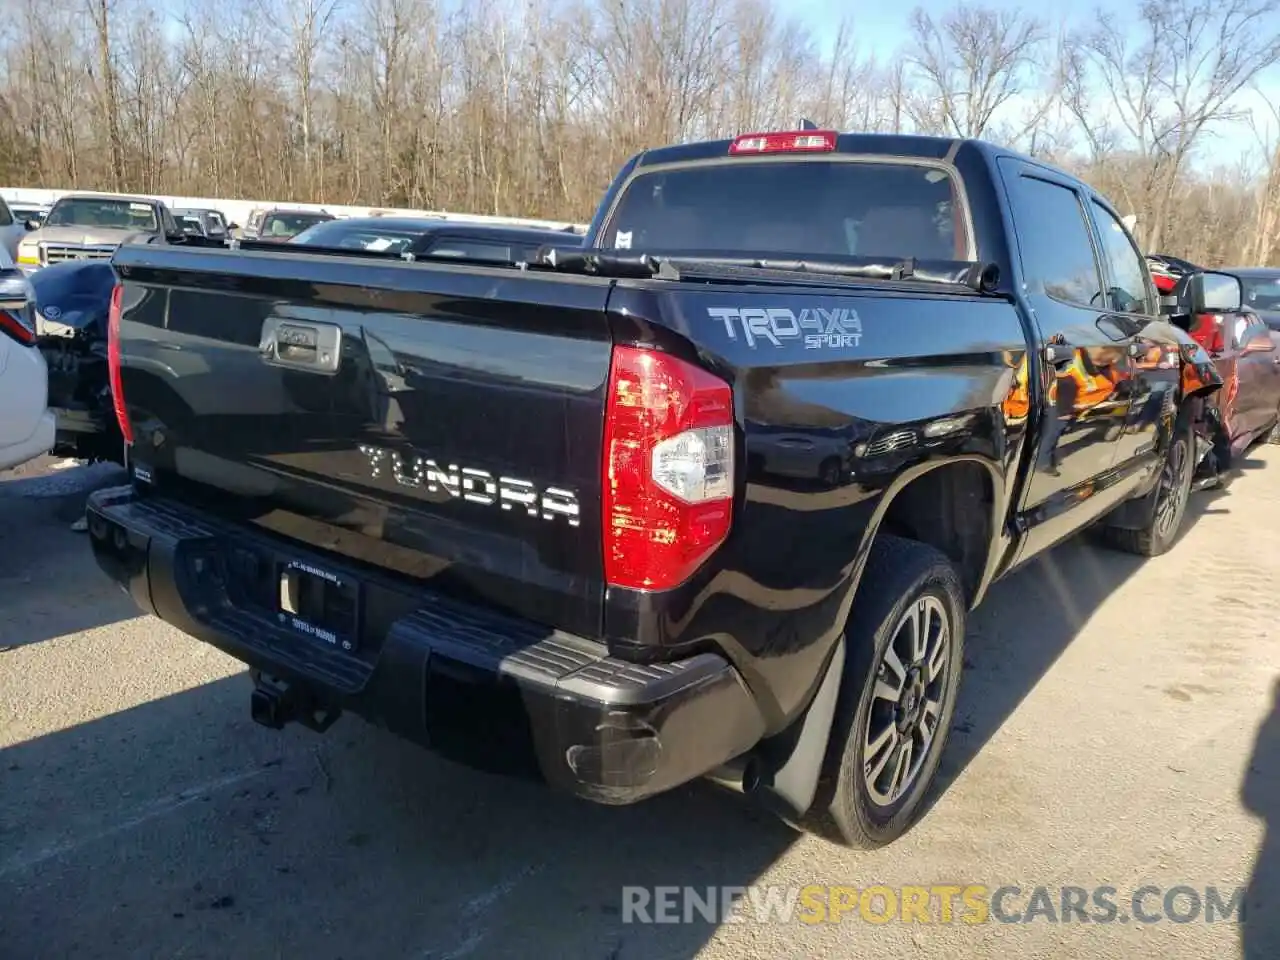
980, 277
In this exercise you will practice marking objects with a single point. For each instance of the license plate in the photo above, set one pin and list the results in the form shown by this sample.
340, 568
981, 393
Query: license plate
318, 603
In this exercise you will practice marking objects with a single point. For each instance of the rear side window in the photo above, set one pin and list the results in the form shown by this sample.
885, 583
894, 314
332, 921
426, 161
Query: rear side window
1053, 237
845, 207
470, 250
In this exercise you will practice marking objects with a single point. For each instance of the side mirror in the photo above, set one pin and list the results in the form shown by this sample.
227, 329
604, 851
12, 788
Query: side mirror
30, 225
1209, 292
1262, 343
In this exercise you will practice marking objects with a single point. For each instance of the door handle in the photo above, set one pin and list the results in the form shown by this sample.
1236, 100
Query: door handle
1059, 353
303, 345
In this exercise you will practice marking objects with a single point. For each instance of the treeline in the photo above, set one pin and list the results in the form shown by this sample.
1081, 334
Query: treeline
526, 109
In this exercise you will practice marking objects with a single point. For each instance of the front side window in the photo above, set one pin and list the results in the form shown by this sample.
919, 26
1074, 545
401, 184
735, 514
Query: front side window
1128, 292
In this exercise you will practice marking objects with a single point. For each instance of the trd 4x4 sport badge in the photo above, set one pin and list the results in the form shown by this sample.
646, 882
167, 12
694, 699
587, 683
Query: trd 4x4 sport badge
817, 327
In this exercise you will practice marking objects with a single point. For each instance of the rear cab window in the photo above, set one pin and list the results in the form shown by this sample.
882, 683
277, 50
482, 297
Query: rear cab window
842, 205
290, 224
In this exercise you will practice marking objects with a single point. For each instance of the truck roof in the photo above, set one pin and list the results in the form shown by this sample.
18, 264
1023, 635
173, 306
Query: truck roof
293, 211
914, 146
152, 201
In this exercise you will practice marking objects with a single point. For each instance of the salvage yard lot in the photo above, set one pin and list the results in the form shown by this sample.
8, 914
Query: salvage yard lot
1113, 716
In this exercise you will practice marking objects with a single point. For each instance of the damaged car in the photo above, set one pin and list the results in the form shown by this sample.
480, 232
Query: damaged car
72, 301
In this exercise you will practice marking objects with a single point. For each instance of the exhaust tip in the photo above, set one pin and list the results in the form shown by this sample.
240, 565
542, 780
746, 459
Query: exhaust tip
741, 774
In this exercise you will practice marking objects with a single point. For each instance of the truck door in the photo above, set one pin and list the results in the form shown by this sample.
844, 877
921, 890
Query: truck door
1133, 312
1082, 353
1257, 372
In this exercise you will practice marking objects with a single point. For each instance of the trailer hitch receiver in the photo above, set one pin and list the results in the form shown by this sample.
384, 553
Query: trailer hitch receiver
276, 703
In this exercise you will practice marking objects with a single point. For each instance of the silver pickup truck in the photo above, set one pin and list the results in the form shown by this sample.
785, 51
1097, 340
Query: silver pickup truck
85, 226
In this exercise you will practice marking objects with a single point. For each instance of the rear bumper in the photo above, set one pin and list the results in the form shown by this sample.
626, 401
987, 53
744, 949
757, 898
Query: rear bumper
82, 432
485, 689
40, 442
78, 421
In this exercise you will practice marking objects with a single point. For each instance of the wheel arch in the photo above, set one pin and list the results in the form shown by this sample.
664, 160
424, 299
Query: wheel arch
954, 505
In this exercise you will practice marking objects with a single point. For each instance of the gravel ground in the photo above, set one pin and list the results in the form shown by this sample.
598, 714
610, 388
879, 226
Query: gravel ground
1117, 727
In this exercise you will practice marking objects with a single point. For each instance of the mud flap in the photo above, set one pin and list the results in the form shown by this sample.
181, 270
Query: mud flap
791, 762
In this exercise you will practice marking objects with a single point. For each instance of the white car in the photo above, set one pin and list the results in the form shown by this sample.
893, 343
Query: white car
27, 426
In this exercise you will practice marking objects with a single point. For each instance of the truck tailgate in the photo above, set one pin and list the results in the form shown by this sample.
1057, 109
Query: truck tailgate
443, 422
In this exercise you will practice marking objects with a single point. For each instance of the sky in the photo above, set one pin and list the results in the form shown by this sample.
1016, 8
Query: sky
884, 27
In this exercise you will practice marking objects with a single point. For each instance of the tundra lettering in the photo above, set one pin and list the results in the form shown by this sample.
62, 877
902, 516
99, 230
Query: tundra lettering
474, 485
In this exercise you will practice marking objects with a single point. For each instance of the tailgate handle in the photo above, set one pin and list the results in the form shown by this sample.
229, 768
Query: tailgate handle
301, 344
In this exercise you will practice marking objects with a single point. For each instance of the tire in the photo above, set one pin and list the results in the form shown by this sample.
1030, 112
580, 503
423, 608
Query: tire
1161, 529
829, 472
901, 576
1273, 435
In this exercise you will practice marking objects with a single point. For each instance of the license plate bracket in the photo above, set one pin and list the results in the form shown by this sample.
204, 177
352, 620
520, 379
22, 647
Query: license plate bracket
318, 603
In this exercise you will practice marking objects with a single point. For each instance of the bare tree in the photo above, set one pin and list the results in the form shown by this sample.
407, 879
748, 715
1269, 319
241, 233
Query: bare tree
970, 64
1263, 244
528, 108
1161, 95
306, 26
109, 102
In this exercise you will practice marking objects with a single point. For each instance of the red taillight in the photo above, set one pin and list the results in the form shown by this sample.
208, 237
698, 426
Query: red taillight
794, 141
13, 324
19, 322
1207, 330
113, 364
668, 469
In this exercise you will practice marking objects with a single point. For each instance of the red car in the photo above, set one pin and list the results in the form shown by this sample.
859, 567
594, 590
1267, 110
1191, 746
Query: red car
1245, 351
1166, 271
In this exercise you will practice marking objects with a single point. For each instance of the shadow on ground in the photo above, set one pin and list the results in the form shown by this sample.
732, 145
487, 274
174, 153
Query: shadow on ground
179, 829
350, 845
1260, 795
1007, 651
49, 583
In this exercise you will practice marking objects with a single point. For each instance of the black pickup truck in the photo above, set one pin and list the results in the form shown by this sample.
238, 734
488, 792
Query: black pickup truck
707, 496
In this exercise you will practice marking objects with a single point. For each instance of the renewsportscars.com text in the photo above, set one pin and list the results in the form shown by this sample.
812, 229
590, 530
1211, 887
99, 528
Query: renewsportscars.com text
935, 903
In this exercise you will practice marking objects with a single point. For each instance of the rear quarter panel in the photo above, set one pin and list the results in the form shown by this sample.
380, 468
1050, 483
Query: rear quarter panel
874, 390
